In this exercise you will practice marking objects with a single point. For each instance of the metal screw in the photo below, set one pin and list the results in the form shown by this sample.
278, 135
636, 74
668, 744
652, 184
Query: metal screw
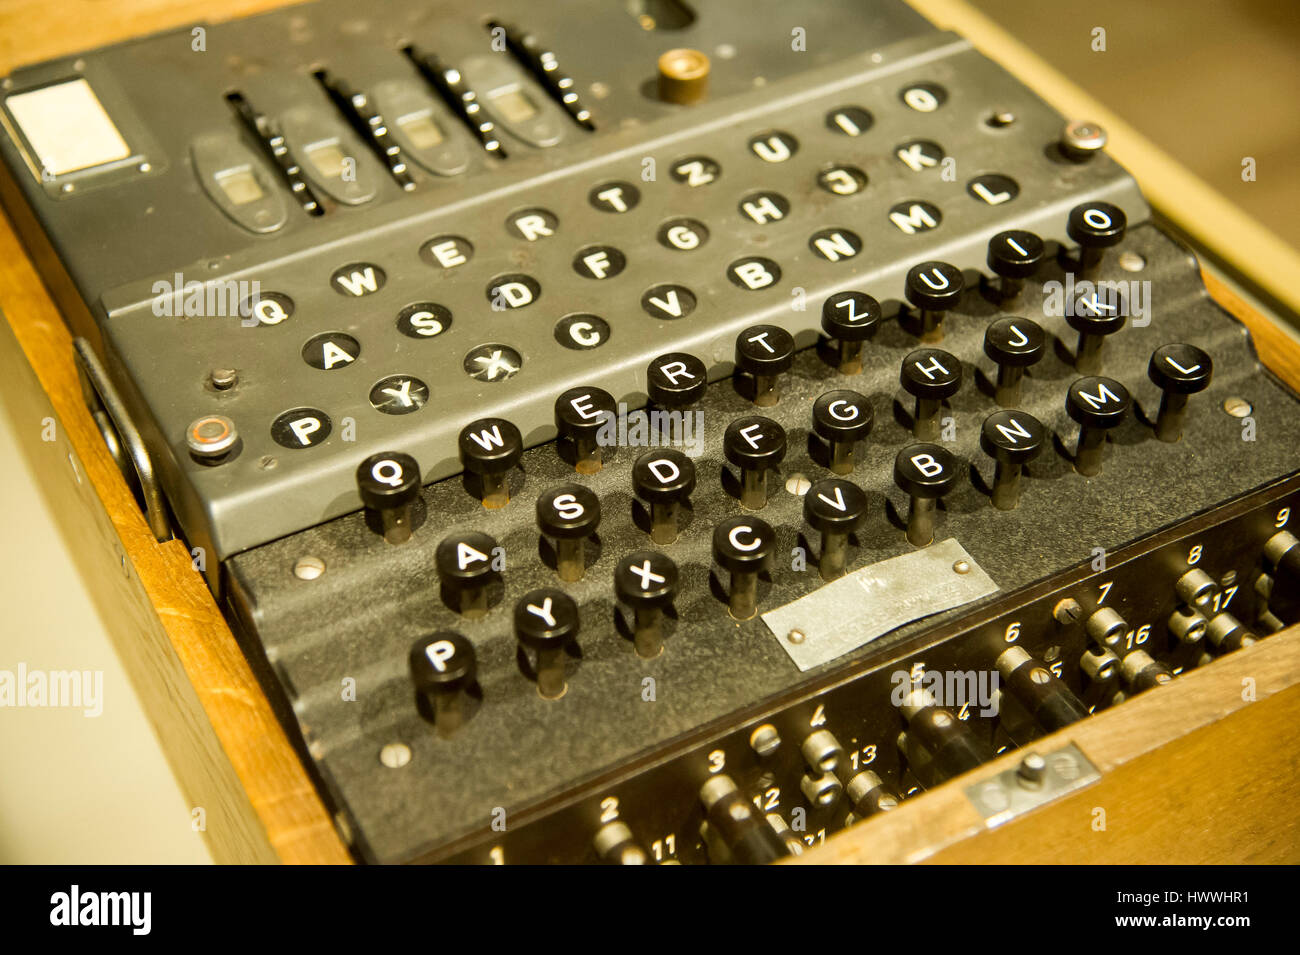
1002, 118
1031, 770
795, 636
1063, 765
1237, 407
994, 798
223, 378
211, 436
395, 755
1131, 262
961, 567
1081, 140
308, 568
798, 484
1067, 612
765, 740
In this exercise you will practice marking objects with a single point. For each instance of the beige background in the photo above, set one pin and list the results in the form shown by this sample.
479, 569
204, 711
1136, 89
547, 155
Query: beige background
1210, 82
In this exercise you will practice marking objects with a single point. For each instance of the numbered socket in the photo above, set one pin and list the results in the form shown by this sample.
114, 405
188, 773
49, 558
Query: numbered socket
1141, 672
741, 830
949, 746
616, 845
1048, 701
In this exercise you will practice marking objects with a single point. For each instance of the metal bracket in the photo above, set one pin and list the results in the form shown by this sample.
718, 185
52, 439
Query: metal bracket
121, 437
1037, 781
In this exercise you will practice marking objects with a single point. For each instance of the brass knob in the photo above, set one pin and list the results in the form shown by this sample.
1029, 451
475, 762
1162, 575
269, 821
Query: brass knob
683, 77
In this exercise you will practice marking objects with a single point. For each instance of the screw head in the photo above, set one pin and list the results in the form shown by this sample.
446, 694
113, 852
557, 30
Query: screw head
1067, 611
1081, 139
223, 378
1237, 407
211, 435
1032, 769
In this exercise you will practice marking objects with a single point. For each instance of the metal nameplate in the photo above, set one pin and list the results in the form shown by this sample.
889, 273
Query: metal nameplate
873, 600
1038, 780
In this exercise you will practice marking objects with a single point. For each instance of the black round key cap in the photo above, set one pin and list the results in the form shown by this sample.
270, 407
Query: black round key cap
743, 547
850, 318
646, 581
933, 288
580, 414
1014, 256
676, 380
1178, 370
1014, 344
930, 375
765, 352
569, 514
1012, 439
443, 668
546, 622
389, 483
1095, 313
834, 507
755, 445
842, 418
467, 565
664, 479
925, 473
1097, 404
1095, 227
490, 448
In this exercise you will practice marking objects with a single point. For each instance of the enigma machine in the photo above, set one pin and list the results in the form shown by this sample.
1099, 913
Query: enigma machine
654, 432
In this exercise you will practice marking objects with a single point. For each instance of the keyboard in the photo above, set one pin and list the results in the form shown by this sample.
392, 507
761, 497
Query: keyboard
605, 439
